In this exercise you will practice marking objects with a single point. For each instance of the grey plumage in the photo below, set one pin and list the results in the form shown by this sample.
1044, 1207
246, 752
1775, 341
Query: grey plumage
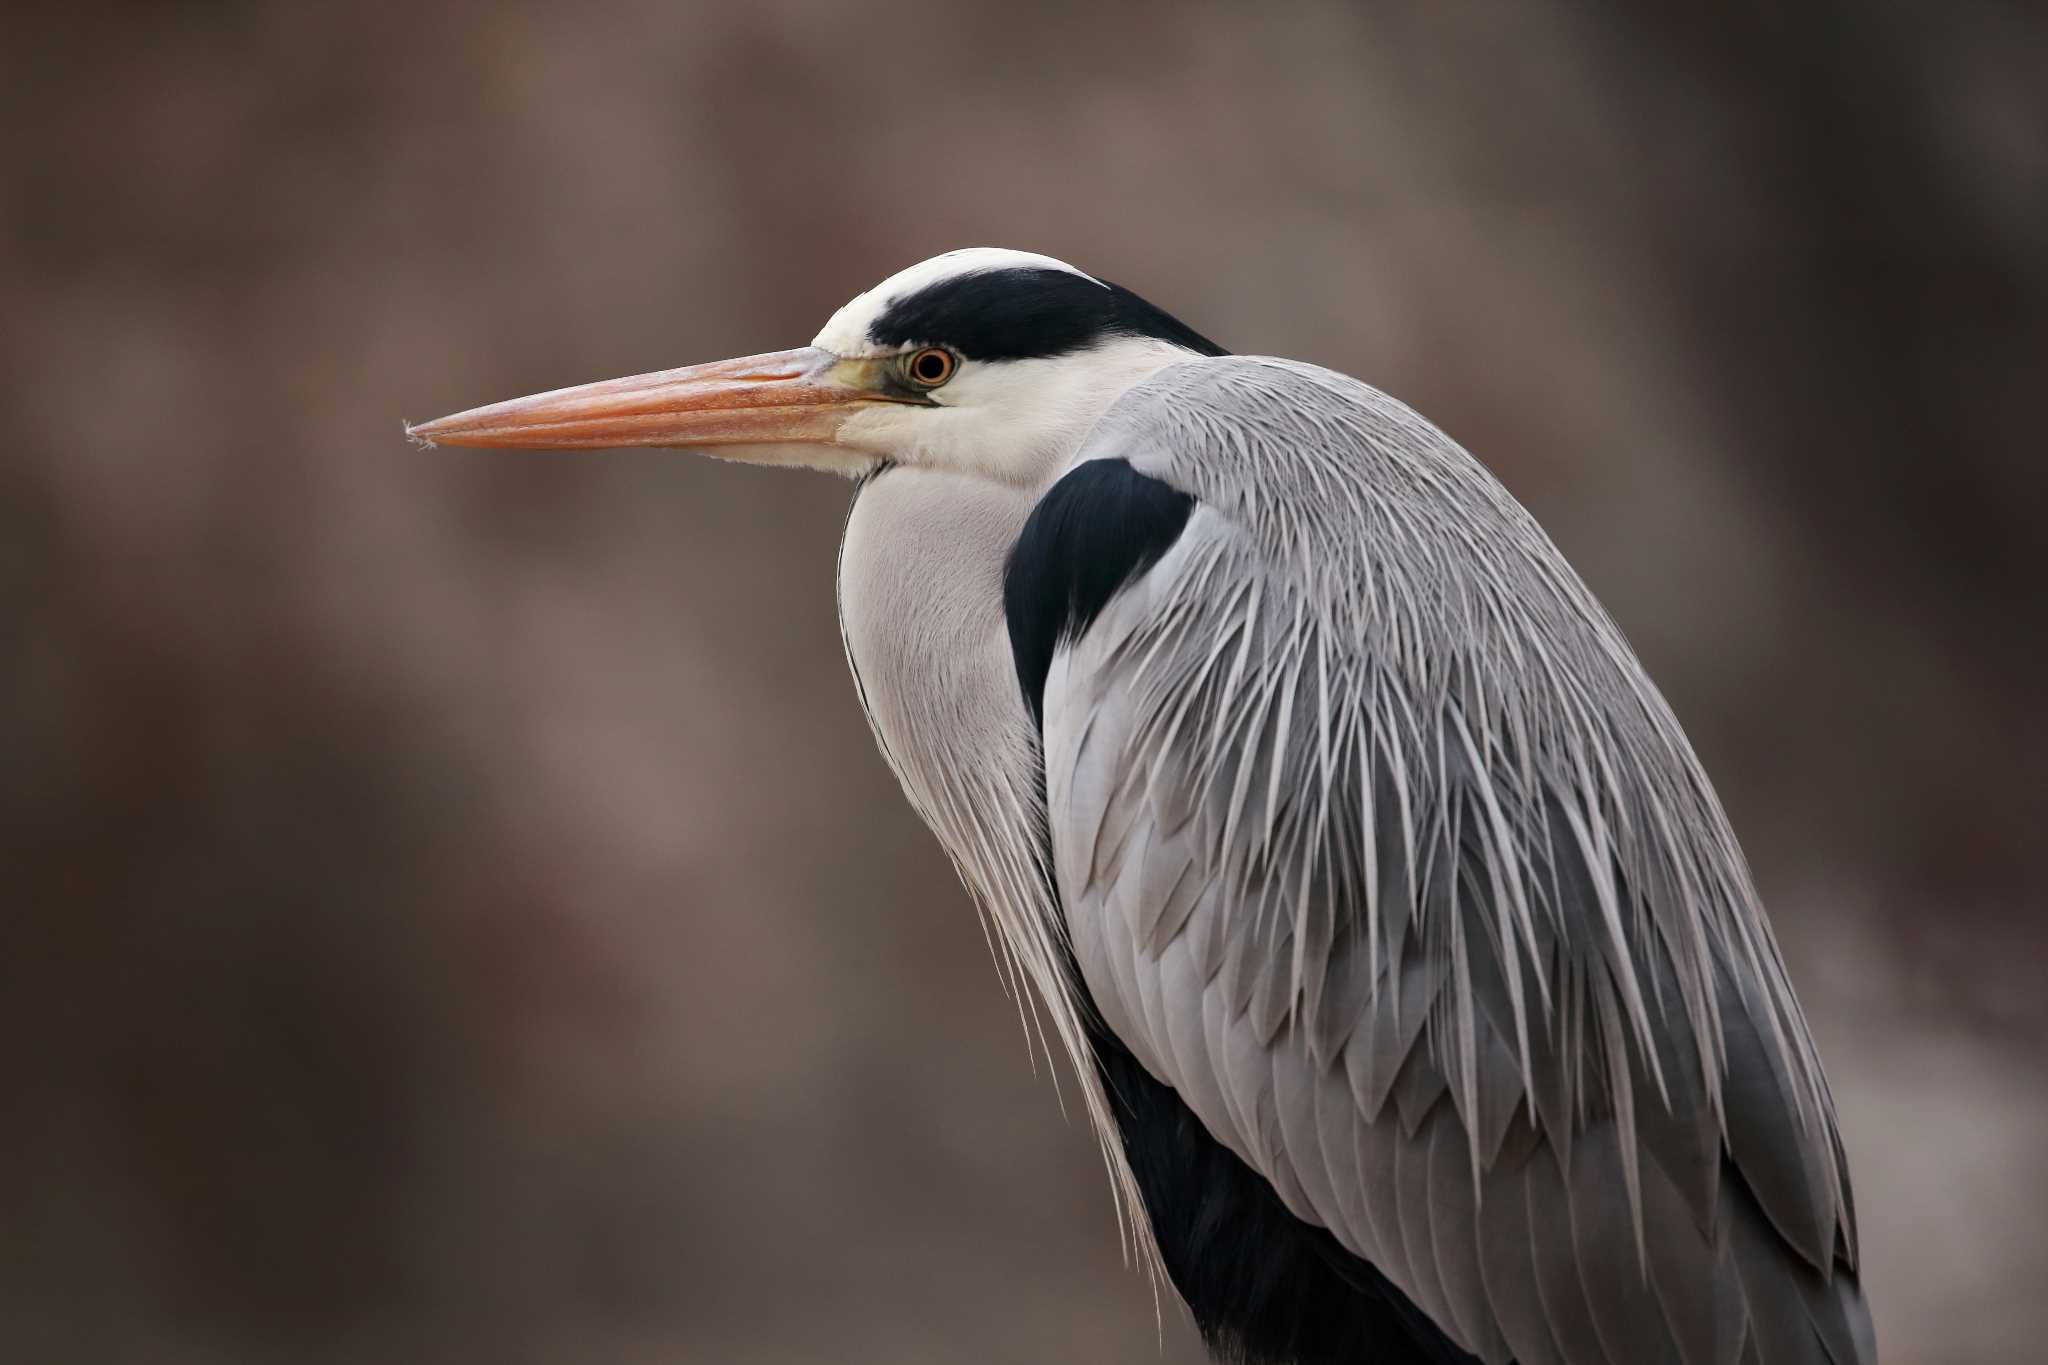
1320, 810
1378, 845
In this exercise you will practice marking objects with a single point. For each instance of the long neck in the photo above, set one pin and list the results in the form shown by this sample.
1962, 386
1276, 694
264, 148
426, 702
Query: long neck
921, 609
920, 605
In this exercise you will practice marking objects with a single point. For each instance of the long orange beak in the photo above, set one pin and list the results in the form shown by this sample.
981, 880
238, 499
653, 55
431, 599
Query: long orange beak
776, 408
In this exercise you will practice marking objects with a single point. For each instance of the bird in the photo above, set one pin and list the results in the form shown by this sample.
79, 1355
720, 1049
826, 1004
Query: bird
1415, 984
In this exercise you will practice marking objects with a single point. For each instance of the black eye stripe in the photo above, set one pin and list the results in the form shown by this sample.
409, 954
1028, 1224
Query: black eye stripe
1024, 313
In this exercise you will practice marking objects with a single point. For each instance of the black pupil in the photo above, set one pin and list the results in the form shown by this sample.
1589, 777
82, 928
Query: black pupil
931, 366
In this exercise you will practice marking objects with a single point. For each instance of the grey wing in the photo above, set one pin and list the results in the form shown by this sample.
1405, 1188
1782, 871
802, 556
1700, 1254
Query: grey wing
1433, 1006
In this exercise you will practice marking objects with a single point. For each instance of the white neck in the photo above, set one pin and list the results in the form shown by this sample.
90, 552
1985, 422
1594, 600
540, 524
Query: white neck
921, 609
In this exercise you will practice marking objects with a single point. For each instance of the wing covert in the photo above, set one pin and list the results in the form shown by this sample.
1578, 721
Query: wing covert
1435, 940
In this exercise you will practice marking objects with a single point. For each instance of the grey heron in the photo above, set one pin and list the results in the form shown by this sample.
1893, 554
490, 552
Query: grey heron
1417, 988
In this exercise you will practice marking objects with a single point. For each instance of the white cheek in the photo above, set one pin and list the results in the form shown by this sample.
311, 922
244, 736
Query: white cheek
968, 439
885, 430
1016, 422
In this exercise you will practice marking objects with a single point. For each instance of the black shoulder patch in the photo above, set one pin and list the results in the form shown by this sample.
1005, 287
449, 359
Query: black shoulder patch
1098, 528
1027, 312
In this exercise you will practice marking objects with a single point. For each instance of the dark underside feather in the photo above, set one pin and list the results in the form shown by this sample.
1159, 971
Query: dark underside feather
1263, 1285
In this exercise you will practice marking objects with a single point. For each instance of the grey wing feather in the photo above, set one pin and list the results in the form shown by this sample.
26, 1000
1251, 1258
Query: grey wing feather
1508, 1266
1377, 845
1555, 1262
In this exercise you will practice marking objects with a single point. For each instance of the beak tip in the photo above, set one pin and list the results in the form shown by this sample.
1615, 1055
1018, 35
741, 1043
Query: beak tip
422, 434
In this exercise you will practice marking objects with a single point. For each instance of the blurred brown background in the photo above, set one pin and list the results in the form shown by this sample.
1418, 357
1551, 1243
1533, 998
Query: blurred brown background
454, 912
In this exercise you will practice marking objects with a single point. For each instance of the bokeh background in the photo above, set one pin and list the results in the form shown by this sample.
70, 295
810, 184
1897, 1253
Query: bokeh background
453, 911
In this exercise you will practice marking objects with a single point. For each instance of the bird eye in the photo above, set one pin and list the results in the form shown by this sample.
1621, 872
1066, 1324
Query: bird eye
931, 367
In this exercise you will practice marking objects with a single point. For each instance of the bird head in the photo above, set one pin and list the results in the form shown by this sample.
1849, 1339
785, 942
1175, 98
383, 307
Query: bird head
987, 362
